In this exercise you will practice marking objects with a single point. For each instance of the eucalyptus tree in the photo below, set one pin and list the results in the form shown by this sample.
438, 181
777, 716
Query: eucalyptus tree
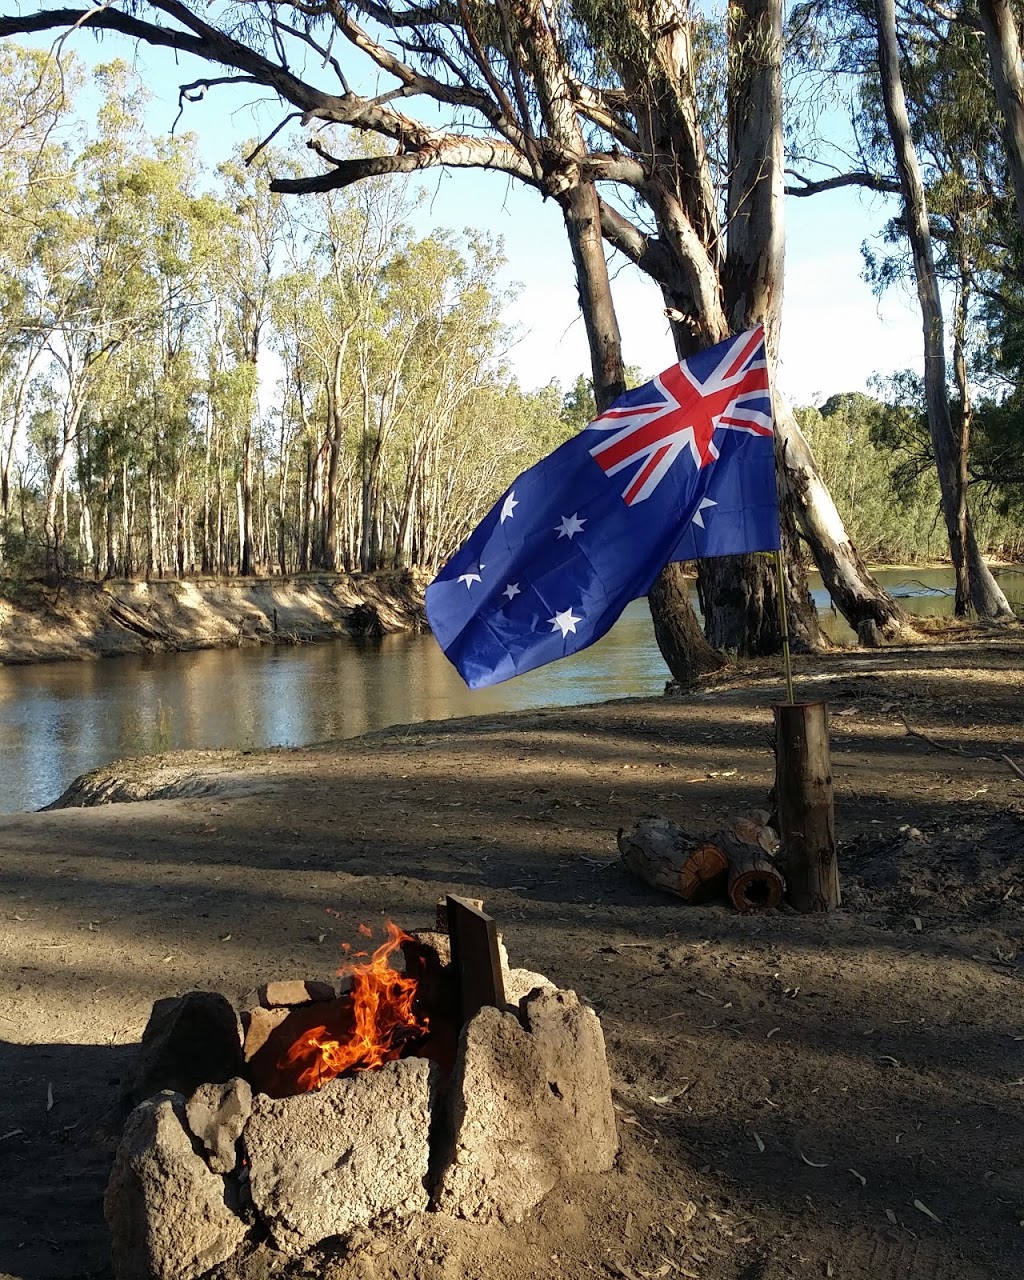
453, 307
975, 583
998, 21
338, 248
36, 105
523, 69
253, 238
925, 128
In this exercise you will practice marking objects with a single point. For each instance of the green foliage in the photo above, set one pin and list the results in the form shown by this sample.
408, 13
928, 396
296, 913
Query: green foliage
140, 303
875, 457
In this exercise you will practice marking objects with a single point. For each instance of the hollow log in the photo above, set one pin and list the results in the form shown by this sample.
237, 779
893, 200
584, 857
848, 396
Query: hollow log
755, 882
803, 794
663, 855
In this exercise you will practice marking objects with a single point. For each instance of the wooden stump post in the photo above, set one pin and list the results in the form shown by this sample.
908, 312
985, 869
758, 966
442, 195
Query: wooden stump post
803, 790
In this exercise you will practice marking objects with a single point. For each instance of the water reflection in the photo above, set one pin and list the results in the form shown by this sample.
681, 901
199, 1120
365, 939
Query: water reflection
59, 720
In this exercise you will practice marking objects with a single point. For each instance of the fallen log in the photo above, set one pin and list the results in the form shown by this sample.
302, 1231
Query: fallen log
755, 883
666, 857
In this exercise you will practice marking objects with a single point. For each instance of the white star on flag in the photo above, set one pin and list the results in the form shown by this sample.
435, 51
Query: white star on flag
470, 578
698, 518
507, 506
570, 526
512, 590
564, 622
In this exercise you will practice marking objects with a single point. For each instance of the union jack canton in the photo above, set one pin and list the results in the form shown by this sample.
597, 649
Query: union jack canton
680, 468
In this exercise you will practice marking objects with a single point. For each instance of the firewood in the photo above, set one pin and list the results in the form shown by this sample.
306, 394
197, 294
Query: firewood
755, 883
662, 854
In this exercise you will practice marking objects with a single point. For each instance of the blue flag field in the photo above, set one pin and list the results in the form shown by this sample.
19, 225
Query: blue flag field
680, 468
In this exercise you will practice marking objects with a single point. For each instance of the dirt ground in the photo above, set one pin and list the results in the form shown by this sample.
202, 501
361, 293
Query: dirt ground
797, 1096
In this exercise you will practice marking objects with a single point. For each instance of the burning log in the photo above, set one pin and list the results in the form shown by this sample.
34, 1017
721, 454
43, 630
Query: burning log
662, 854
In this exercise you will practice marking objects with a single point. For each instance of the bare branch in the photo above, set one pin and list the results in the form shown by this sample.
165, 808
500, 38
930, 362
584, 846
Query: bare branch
810, 187
594, 105
195, 91
292, 115
646, 252
450, 150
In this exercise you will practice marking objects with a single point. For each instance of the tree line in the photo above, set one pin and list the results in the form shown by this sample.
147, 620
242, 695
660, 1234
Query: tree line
143, 302
658, 131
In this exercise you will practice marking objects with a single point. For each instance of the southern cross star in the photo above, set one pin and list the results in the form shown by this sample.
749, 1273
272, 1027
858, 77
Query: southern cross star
564, 622
698, 518
470, 578
507, 506
570, 526
512, 590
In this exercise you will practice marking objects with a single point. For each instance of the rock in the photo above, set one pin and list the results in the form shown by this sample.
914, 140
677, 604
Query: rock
530, 1104
166, 1211
427, 957
189, 1040
354, 1152
216, 1114
425, 941
520, 982
277, 995
257, 1025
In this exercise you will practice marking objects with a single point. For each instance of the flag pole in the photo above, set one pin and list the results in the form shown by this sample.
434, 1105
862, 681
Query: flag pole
780, 571
780, 574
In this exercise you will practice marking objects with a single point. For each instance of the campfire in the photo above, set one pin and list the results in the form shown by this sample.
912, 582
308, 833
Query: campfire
379, 1017
431, 1078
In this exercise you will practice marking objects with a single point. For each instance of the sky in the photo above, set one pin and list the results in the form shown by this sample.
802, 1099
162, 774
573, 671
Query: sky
835, 333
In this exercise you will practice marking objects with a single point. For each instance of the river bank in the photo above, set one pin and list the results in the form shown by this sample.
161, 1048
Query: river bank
796, 1096
83, 620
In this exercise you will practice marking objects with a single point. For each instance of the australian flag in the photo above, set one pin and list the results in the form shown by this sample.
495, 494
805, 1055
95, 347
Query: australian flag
678, 469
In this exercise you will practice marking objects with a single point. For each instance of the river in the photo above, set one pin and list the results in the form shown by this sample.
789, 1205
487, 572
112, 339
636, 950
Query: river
59, 720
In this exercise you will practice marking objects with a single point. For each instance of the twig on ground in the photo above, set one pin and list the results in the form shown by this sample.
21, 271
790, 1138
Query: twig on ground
959, 751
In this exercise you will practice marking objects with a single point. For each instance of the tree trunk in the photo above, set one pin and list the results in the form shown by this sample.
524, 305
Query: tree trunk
854, 591
984, 594
1004, 57
676, 629
740, 593
683, 645
739, 603
245, 560
581, 211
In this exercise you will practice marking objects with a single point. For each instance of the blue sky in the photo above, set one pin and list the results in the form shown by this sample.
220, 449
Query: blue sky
835, 333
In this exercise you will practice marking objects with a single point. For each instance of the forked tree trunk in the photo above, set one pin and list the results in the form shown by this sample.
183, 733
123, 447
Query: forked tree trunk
740, 593
973, 575
683, 645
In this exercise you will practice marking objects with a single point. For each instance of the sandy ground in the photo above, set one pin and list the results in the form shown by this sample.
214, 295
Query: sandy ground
797, 1096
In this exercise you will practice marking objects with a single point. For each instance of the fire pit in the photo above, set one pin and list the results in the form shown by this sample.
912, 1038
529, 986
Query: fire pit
451, 1084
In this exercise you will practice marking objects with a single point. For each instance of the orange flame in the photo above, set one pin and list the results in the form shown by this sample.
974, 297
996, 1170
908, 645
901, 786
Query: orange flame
384, 1017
